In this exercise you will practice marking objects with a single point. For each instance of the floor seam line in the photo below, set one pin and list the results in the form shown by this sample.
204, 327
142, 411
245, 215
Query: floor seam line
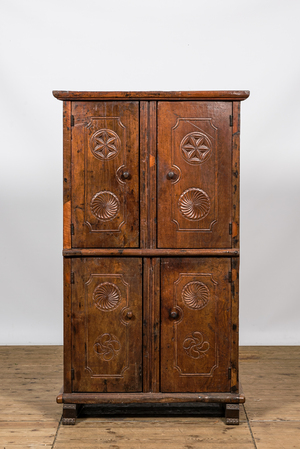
250, 430
55, 437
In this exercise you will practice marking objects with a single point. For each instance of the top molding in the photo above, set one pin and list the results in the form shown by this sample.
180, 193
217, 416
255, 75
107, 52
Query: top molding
222, 95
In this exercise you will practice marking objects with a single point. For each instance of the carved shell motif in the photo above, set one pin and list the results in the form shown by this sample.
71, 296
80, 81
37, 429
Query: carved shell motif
106, 296
107, 346
195, 346
195, 295
105, 205
194, 204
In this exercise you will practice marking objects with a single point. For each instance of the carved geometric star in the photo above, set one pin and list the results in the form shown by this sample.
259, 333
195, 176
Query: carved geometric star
195, 147
105, 145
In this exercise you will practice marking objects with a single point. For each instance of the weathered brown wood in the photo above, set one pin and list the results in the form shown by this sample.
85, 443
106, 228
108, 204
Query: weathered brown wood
234, 323
151, 325
128, 398
67, 138
195, 332
107, 325
236, 175
144, 172
152, 252
151, 175
232, 414
225, 95
194, 174
70, 413
105, 175
67, 325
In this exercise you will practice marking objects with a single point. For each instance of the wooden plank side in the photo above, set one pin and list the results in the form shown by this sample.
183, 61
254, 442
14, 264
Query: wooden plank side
144, 175
152, 219
151, 324
67, 325
235, 324
160, 252
236, 175
224, 95
67, 140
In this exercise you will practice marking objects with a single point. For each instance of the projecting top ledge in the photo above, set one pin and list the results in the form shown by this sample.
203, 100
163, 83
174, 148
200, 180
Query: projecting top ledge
221, 95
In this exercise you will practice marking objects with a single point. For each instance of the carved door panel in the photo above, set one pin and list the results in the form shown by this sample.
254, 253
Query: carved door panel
194, 174
107, 324
105, 174
195, 315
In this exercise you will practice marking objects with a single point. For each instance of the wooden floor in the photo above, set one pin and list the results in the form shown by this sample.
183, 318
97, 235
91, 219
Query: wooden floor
31, 376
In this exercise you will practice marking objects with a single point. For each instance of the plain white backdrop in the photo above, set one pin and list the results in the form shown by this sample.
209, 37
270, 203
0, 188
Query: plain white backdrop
149, 45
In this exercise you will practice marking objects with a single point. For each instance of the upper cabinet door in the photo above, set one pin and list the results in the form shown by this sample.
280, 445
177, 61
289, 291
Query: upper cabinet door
105, 174
194, 174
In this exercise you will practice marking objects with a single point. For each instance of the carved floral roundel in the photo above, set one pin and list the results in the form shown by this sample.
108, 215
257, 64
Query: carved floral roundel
106, 296
194, 204
105, 205
195, 295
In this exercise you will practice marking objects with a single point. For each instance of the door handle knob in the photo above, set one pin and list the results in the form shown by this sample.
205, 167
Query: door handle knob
171, 175
126, 174
174, 314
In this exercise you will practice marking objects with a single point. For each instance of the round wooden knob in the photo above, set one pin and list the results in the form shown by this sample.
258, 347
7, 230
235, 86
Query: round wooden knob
129, 314
126, 174
174, 314
171, 175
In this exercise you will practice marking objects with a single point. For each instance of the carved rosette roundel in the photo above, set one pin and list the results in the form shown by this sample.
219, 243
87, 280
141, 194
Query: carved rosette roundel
105, 144
105, 205
195, 346
195, 148
106, 296
195, 295
194, 204
107, 346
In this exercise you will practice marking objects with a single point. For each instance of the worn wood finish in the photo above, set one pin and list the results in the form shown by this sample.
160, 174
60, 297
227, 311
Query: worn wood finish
67, 325
67, 163
151, 248
152, 252
224, 95
236, 175
195, 333
148, 174
94, 398
151, 325
107, 325
105, 176
194, 174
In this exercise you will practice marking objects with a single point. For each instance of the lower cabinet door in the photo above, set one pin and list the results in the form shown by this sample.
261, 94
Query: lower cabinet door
195, 325
107, 325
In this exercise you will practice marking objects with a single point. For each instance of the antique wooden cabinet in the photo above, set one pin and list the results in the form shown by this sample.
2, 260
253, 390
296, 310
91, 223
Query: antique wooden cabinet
151, 248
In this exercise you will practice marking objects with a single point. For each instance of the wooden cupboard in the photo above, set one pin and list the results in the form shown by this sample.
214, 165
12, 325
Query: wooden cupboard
151, 248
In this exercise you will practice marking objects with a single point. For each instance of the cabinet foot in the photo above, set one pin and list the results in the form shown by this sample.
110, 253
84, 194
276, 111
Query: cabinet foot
232, 414
70, 413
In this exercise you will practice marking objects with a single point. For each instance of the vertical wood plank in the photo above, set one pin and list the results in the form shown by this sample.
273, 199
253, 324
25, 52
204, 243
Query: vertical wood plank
152, 176
67, 325
234, 359
67, 138
151, 325
236, 175
146, 324
144, 137
235, 243
155, 369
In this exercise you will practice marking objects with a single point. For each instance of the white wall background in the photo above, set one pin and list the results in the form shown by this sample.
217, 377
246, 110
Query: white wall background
148, 45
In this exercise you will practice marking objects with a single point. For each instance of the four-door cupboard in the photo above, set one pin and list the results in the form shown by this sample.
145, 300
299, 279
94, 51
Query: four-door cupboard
151, 248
